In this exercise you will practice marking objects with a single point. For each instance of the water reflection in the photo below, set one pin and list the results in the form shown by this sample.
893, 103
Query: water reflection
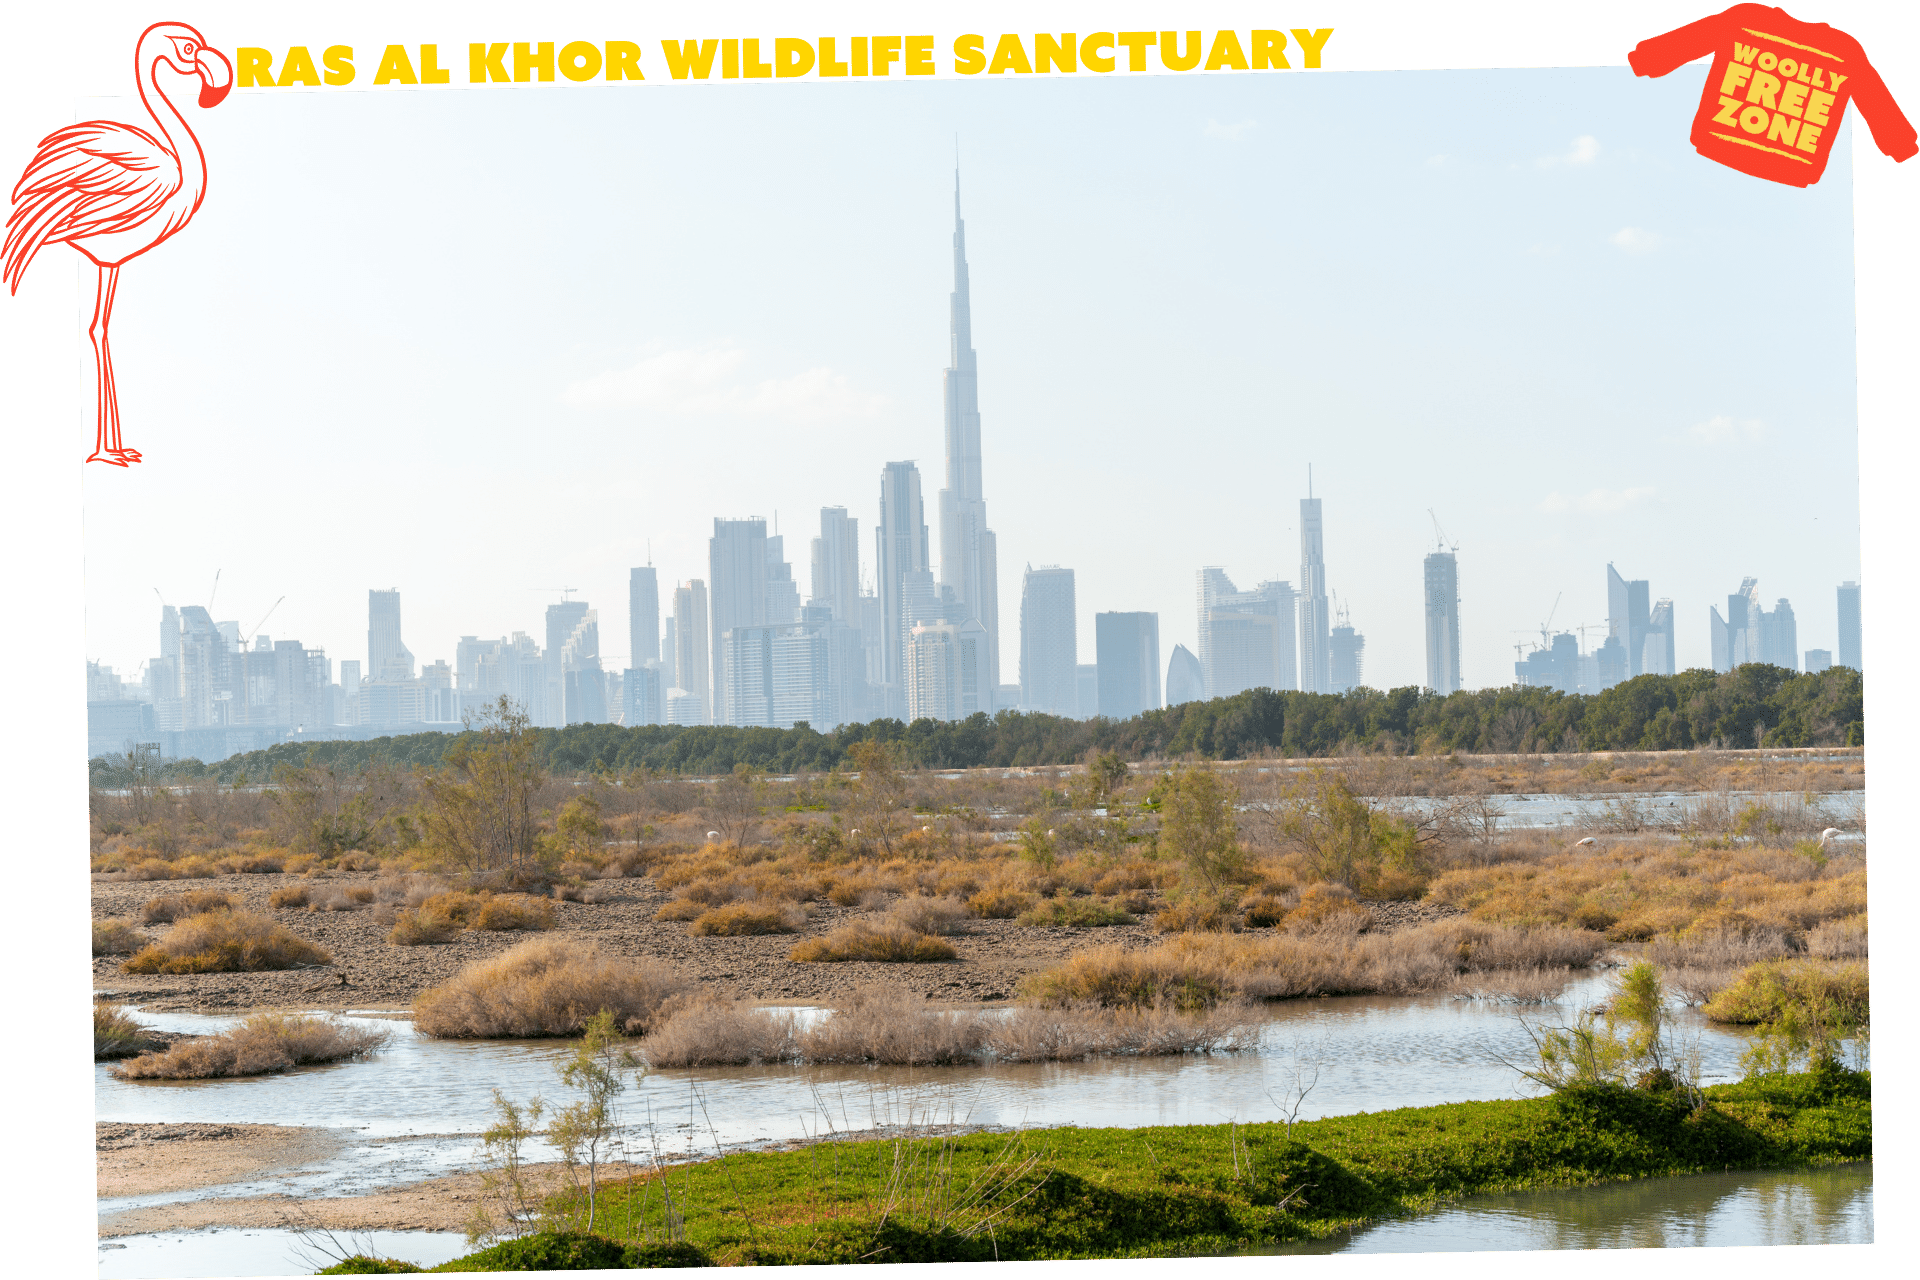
1809, 1206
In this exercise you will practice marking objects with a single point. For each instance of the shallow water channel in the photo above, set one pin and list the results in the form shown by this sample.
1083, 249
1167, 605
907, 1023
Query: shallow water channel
415, 1110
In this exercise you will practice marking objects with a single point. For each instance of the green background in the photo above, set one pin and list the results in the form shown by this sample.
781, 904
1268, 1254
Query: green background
58, 52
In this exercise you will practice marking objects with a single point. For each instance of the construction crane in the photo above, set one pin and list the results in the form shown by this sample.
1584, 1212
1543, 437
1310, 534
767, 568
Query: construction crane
247, 636
246, 676
211, 594
1439, 535
564, 591
1546, 635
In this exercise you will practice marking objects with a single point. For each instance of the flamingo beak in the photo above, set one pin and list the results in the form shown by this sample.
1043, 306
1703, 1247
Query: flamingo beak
216, 76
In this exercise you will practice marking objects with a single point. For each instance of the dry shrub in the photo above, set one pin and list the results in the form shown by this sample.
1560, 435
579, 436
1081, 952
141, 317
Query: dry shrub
419, 927
745, 919
864, 940
681, 909
569, 893
412, 889
261, 1045
1717, 948
1113, 977
1267, 908
1074, 913
1839, 939
257, 864
1196, 970
943, 916
1514, 986
1328, 908
705, 1031
1000, 902
1137, 876
504, 913
892, 1027
227, 942
340, 897
117, 938
116, 1035
174, 906
544, 987
1763, 991
1032, 1034
288, 897
1196, 915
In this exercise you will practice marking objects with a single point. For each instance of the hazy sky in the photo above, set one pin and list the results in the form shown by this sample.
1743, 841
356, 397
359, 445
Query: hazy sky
482, 345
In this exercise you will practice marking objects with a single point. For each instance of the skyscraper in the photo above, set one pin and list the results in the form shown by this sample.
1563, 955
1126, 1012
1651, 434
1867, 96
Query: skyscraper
1184, 679
901, 548
1127, 659
737, 587
643, 615
968, 551
1628, 610
1749, 633
783, 593
1246, 637
836, 565
1656, 651
1443, 621
1346, 652
947, 671
692, 655
1316, 620
1850, 653
562, 618
583, 681
387, 658
1049, 661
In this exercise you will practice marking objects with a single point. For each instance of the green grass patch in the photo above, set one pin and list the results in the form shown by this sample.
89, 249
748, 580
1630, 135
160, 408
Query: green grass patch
1212, 1189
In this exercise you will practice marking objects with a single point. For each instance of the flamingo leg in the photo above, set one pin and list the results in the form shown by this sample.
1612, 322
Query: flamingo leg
105, 430
125, 455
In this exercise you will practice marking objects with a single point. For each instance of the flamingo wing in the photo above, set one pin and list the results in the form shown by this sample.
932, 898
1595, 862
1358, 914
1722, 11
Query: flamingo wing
88, 179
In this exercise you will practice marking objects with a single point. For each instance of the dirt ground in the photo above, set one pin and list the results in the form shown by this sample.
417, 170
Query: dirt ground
370, 973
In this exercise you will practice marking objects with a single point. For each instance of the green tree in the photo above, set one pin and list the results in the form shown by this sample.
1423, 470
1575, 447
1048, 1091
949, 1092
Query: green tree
479, 806
1197, 830
882, 806
586, 1132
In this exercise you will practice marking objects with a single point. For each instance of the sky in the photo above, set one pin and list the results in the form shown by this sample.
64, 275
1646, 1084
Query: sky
484, 346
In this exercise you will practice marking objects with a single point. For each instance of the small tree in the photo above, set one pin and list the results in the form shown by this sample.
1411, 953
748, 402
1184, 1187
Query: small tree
479, 806
509, 1203
585, 1132
1627, 1043
1346, 840
1197, 830
882, 805
735, 804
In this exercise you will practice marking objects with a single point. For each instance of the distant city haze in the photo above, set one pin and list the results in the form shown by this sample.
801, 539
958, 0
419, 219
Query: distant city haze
483, 348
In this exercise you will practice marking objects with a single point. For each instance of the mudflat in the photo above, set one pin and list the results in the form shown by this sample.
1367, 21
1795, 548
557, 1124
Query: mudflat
149, 1159
370, 972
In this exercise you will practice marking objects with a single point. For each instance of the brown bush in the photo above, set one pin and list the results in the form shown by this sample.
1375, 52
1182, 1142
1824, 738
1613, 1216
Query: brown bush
889, 1026
705, 1031
227, 942
680, 909
862, 940
1196, 915
1328, 908
1839, 939
340, 897
545, 987
930, 915
288, 897
412, 889
116, 1035
1000, 902
745, 919
419, 927
173, 906
117, 938
1038, 1034
261, 1045
257, 864
1113, 977
504, 913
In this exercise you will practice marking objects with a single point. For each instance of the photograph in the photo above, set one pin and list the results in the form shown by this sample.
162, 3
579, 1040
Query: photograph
770, 648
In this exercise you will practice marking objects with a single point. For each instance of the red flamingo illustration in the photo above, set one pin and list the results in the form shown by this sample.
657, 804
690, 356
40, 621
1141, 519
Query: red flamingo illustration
114, 191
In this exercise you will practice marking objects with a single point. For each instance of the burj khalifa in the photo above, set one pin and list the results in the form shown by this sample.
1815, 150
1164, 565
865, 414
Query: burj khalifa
968, 576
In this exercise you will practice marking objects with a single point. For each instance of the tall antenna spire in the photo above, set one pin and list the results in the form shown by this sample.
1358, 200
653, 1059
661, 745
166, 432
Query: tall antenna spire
1309, 479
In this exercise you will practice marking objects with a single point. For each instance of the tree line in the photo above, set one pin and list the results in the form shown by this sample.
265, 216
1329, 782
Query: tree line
1752, 705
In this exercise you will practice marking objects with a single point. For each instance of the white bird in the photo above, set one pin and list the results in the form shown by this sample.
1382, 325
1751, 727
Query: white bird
713, 835
1827, 835
1588, 840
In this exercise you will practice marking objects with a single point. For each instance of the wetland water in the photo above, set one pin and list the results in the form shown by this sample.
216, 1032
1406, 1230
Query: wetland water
415, 1110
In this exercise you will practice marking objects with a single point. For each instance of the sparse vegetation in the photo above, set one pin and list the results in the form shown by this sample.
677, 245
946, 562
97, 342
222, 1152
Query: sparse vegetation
863, 940
173, 906
117, 938
544, 987
227, 941
263, 1044
745, 919
116, 1035
1074, 913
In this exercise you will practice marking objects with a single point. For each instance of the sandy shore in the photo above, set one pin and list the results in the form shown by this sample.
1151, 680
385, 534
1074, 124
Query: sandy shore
149, 1159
